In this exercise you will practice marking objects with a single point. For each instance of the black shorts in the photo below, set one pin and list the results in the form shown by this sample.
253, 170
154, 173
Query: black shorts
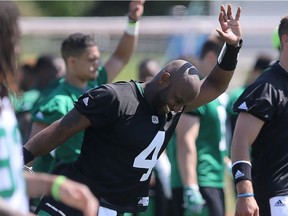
177, 201
49, 206
215, 200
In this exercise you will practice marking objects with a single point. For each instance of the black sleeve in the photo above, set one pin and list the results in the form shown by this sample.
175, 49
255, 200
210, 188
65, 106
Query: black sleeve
258, 100
100, 105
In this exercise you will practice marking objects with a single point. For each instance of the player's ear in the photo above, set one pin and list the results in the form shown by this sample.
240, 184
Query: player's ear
71, 61
165, 77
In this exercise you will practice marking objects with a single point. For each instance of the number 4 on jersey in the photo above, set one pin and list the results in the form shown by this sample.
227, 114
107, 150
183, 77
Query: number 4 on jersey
142, 161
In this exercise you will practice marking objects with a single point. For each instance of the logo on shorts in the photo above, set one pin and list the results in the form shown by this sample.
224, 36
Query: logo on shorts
279, 203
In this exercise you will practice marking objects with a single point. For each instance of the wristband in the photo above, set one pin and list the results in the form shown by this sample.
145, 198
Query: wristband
130, 20
228, 56
28, 156
56, 186
132, 28
241, 171
245, 195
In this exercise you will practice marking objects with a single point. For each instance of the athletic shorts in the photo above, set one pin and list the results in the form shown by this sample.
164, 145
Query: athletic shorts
279, 206
215, 200
50, 207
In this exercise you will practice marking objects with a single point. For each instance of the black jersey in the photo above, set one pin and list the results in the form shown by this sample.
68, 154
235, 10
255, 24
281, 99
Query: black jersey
122, 146
267, 99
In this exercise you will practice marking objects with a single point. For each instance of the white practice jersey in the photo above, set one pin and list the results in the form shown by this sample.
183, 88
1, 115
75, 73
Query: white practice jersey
12, 184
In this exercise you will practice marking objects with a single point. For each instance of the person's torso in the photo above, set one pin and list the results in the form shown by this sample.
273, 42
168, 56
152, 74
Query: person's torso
122, 146
12, 184
53, 107
267, 99
211, 144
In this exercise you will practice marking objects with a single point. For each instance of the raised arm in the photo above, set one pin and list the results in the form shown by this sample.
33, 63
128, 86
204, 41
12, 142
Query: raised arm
55, 134
220, 76
127, 43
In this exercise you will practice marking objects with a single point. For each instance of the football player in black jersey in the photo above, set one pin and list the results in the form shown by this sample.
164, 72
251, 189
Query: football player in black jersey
262, 125
128, 125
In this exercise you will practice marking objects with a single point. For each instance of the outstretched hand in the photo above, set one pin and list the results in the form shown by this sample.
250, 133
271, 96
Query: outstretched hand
136, 9
230, 27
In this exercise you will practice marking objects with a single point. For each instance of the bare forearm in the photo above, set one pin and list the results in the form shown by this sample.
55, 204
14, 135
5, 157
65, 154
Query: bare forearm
218, 80
121, 55
126, 47
187, 165
38, 184
44, 141
212, 87
57, 133
187, 159
244, 186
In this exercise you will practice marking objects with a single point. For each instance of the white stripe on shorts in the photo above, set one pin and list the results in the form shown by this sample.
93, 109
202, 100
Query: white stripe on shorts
106, 212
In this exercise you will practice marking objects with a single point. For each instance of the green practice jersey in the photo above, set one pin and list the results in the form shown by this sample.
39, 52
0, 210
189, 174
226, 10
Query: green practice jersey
53, 107
211, 146
211, 143
12, 183
171, 149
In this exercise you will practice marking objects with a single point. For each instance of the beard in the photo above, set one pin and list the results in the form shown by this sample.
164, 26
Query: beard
160, 101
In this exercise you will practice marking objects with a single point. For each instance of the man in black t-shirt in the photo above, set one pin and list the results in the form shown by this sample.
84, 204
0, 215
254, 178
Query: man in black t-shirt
128, 125
262, 124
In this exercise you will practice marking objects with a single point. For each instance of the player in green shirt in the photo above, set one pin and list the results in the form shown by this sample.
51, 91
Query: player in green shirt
203, 123
83, 71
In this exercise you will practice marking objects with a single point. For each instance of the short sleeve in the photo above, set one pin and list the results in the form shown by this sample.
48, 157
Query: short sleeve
100, 105
53, 109
257, 99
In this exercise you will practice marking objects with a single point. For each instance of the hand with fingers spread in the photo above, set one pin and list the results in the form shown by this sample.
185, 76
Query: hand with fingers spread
136, 9
230, 26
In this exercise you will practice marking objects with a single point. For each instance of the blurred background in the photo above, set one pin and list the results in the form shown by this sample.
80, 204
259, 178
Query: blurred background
168, 28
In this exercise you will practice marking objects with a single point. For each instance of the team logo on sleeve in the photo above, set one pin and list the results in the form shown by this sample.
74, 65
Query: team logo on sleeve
39, 115
243, 106
85, 100
155, 119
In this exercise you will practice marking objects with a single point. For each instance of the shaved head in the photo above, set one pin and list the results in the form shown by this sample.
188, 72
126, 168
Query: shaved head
179, 69
175, 86
182, 72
